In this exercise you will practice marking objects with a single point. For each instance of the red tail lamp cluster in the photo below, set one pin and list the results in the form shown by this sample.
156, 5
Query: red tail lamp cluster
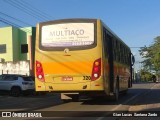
39, 71
96, 70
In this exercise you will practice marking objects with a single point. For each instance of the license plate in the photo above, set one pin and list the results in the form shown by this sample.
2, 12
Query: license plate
67, 78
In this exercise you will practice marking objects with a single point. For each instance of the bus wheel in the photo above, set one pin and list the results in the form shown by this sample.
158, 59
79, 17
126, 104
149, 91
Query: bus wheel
116, 94
15, 92
75, 98
125, 92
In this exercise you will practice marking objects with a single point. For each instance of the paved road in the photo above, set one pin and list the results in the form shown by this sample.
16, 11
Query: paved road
147, 105
52, 103
27, 103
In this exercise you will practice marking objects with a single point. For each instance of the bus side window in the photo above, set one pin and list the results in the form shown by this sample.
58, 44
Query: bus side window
124, 55
124, 59
105, 43
128, 58
121, 55
114, 50
117, 51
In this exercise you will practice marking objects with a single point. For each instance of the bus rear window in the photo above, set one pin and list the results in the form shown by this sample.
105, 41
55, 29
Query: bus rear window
67, 35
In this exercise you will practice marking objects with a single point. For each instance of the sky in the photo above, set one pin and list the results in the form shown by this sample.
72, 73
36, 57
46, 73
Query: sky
136, 22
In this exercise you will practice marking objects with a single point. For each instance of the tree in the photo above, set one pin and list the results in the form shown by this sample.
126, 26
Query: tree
151, 56
145, 75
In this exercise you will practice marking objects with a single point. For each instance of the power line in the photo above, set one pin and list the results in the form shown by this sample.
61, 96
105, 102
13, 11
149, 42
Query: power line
45, 15
15, 19
8, 22
32, 11
136, 47
13, 24
27, 11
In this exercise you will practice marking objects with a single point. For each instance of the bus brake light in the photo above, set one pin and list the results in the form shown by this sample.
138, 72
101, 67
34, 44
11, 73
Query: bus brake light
96, 70
39, 71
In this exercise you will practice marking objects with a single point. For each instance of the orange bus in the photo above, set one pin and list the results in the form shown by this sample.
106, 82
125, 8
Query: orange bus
77, 57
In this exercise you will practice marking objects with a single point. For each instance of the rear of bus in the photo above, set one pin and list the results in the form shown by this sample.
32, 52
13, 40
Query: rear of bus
68, 56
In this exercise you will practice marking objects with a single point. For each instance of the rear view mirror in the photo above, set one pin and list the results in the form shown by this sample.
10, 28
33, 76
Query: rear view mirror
132, 59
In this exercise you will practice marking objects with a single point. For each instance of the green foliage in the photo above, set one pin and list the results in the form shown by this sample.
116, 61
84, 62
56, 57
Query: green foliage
145, 75
152, 56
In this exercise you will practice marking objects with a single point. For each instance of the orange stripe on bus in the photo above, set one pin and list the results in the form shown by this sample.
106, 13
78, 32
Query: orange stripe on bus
67, 67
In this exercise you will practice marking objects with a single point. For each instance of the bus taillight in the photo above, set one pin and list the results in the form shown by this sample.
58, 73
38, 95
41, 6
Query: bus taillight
96, 70
39, 71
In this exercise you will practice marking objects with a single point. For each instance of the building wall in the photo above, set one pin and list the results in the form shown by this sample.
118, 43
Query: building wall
15, 39
22, 41
15, 44
27, 37
30, 37
6, 38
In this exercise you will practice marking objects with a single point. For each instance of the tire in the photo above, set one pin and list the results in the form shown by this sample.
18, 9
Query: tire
66, 100
125, 92
40, 93
43, 93
116, 94
15, 92
75, 98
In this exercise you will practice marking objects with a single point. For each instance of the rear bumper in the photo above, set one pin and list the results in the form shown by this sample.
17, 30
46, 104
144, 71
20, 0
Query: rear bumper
85, 85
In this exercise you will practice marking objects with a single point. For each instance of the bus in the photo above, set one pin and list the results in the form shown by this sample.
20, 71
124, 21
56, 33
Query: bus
81, 57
